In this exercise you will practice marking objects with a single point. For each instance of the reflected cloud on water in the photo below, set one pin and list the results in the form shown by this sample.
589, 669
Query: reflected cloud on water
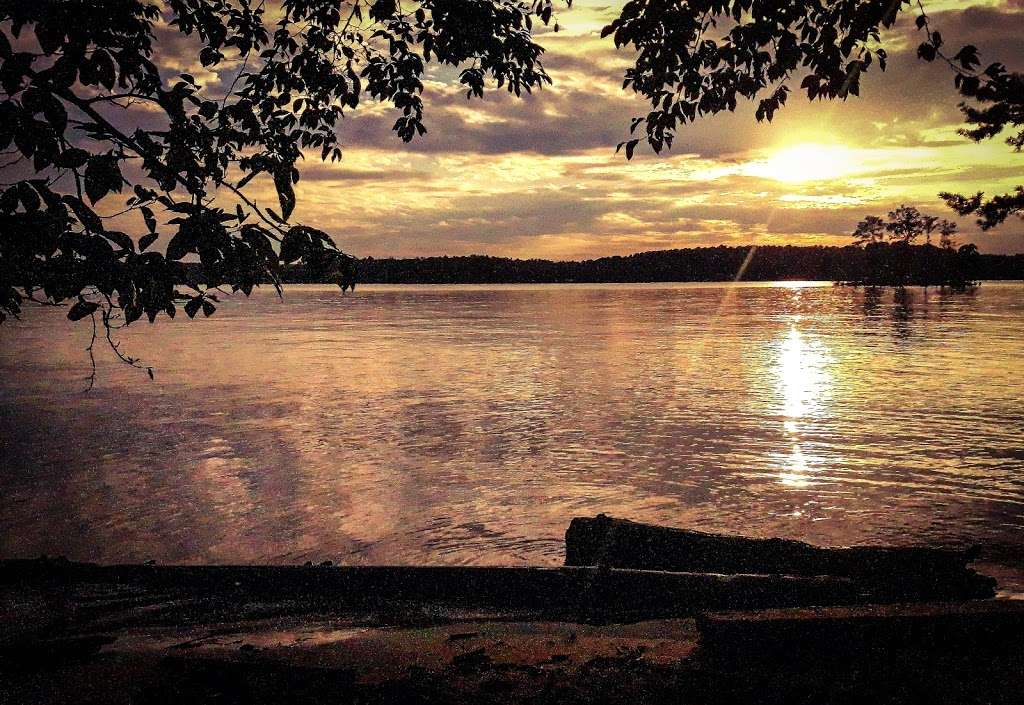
468, 425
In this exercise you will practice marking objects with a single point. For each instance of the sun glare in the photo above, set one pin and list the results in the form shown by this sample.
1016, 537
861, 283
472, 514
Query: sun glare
804, 162
803, 381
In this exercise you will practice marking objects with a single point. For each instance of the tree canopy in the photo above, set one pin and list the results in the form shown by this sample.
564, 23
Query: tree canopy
701, 57
85, 115
906, 224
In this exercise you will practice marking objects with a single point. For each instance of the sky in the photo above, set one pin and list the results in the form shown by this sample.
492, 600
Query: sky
539, 176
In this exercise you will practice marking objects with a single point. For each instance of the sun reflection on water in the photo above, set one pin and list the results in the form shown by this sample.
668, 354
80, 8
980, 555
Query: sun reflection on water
795, 474
450, 425
803, 384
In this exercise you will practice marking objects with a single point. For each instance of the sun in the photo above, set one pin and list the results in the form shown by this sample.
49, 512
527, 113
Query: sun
804, 162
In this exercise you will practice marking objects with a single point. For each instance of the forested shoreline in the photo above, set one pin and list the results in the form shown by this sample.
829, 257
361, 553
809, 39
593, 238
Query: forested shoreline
763, 263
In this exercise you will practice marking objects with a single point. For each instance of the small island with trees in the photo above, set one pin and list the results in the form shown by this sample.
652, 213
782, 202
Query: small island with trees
895, 256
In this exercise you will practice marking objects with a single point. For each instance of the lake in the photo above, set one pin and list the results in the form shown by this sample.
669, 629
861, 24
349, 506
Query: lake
469, 424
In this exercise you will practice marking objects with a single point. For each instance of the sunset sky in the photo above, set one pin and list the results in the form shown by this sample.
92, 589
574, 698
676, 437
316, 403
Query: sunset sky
539, 177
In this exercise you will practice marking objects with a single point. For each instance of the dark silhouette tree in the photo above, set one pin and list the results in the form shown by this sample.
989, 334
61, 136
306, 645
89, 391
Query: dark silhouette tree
906, 225
892, 256
85, 115
687, 68
994, 101
871, 229
947, 229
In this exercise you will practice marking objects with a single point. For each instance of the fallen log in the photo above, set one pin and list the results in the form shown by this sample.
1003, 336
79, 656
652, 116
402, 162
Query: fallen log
890, 573
191, 592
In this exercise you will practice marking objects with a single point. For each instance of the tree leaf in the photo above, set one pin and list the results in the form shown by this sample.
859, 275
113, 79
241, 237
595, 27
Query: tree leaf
192, 306
82, 309
285, 193
179, 246
71, 158
295, 244
147, 215
85, 214
102, 175
147, 240
120, 239
55, 114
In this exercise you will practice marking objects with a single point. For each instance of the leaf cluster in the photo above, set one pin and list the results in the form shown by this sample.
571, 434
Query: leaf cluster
700, 58
87, 117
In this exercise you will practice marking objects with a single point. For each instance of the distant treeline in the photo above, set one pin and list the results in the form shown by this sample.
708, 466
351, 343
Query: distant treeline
763, 263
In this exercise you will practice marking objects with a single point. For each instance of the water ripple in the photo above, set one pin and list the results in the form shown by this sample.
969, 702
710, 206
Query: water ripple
469, 424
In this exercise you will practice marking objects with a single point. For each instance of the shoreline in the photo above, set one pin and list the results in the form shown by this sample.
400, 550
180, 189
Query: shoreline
307, 634
666, 283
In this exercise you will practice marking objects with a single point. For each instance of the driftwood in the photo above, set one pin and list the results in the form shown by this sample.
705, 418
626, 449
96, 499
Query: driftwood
890, 573
588, 593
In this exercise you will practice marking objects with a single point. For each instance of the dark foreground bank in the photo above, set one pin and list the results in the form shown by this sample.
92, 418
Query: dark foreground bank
83, 633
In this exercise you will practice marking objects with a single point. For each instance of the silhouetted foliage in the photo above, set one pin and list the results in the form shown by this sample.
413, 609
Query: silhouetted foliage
722, 263
86, 115
891, 259
998, 97
687, 68
906, 224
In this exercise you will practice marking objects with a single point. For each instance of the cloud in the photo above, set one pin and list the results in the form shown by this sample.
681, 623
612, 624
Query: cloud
538, 176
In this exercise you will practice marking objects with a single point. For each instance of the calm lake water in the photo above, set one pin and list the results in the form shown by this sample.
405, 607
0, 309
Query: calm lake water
423, 424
